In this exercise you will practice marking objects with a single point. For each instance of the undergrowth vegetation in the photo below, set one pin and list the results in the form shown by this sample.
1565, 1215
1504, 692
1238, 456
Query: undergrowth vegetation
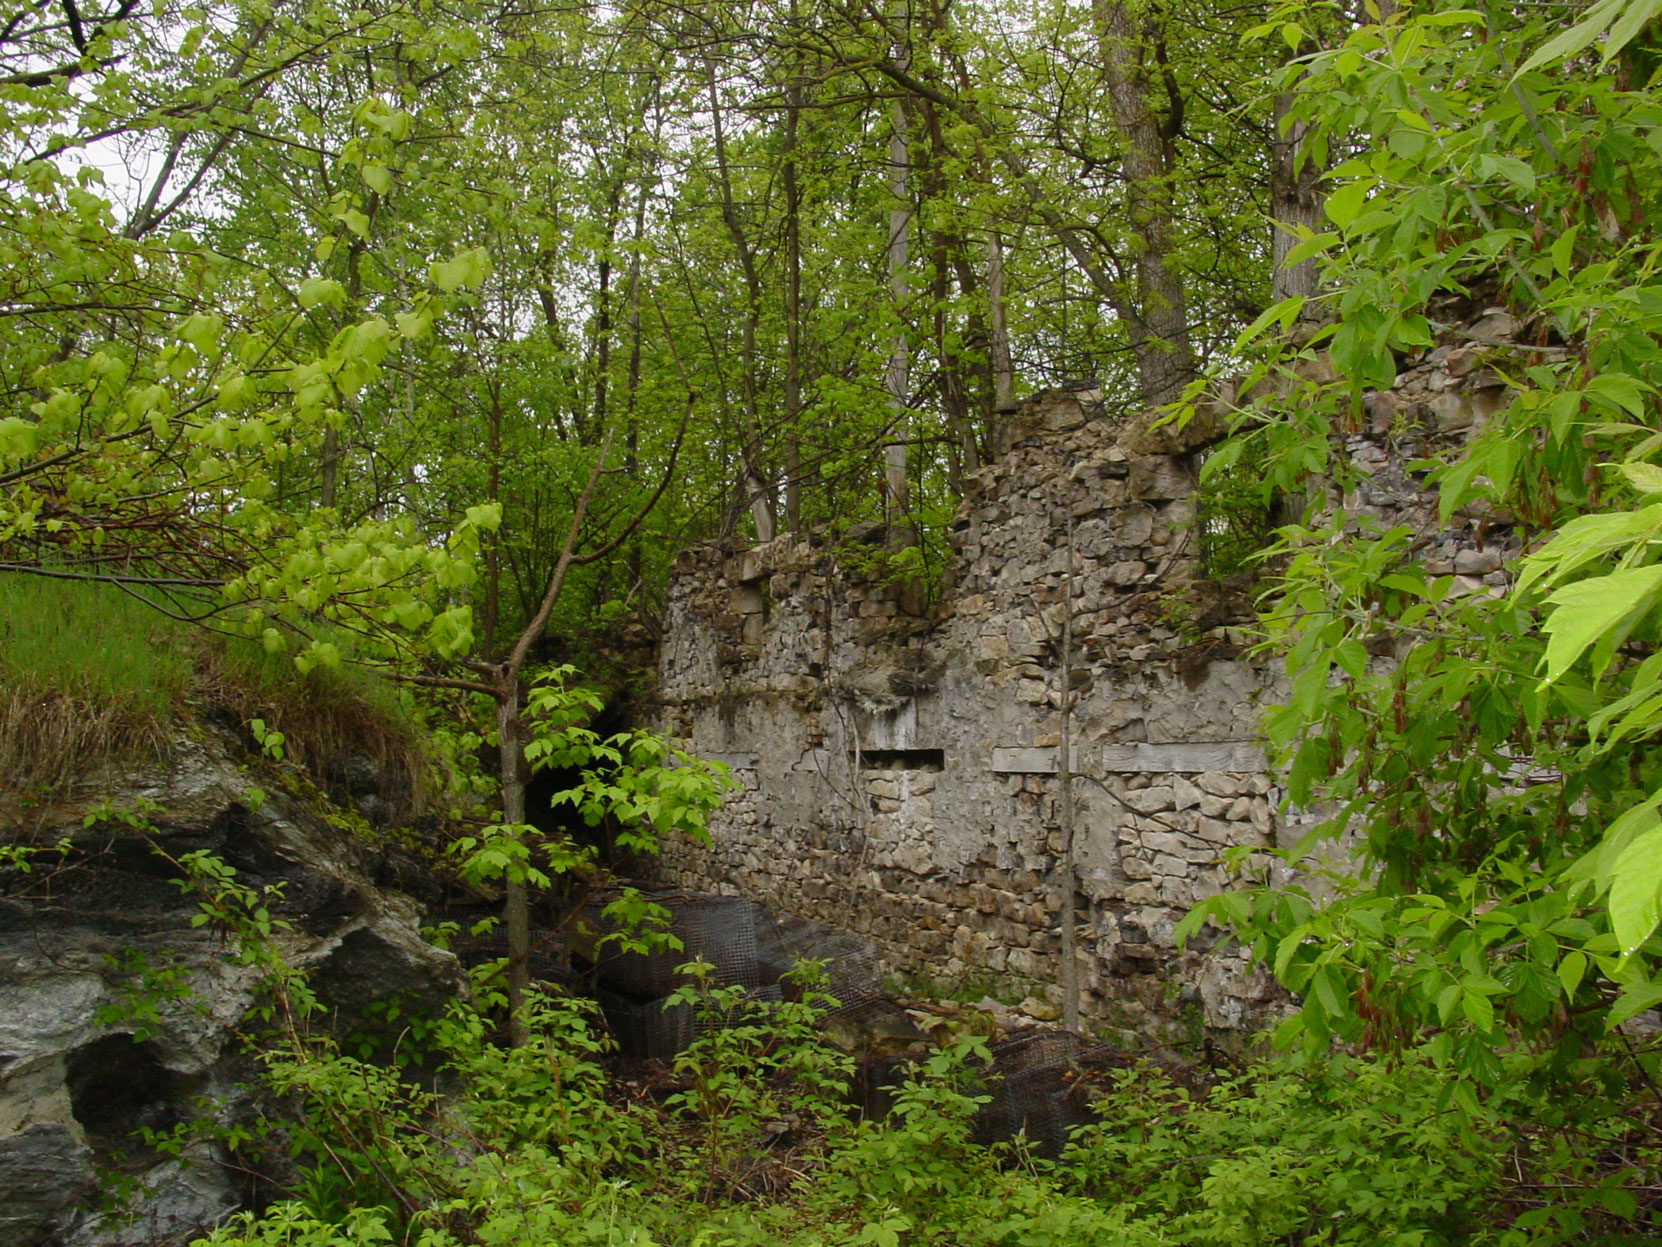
87, 675
748, 1140
450, 1137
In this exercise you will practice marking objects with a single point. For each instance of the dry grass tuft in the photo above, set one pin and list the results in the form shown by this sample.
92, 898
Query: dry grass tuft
89, 679
92, 680
349, 729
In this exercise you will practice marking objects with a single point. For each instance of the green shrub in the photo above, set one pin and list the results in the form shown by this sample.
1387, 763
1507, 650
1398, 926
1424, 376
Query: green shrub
327, 717
540, 1145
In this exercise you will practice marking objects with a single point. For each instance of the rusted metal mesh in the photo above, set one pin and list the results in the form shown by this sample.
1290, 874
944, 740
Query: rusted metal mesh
658, 1030
747, 947
745, 944
1038, 1083
718, 929
853, 975
550, 959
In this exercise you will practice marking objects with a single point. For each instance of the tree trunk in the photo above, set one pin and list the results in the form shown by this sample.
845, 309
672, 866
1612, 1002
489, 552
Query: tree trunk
758, 490
1064, 778
1294, 203
603, 320
1004, 372
899, 371
492, 542
1160, 330
516, 909
793, 308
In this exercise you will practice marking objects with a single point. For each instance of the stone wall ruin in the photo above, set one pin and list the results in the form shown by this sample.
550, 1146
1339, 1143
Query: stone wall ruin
898, 761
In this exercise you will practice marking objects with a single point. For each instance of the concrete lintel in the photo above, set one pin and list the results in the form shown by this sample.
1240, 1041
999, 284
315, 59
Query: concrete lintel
1024, 761
1182, 756
734, 761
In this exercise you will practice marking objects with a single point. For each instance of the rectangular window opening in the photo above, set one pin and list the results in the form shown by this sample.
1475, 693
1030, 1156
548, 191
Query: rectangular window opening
903, 760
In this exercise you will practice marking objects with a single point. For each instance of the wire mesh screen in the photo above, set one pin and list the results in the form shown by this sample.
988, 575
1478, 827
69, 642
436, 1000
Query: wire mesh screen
646, 1029
1038, 1084
718, 929
748, 947
550, 955
851, 967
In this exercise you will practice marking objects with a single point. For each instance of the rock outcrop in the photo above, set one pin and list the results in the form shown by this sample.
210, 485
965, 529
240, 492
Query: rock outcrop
122, 1008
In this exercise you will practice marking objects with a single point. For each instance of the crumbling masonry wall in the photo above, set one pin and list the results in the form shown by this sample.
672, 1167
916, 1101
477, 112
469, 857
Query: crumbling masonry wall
898, 762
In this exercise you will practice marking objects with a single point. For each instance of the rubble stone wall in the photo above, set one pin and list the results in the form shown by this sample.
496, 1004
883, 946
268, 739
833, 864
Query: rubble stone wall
898, 760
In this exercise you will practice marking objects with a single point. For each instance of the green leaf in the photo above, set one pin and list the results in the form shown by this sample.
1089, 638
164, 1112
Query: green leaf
377, 178
1571, 971
203, 332
1635, 16
1582, 34
1626, 392
1285, 312
1586, 611
1478, 1010
315, 290
1344, 204
1634, 1000
463, 272
1645, 477
1316, 244
413, 325
1515, 171
1636, 890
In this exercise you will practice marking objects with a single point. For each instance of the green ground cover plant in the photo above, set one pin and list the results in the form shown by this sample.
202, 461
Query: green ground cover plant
456, 1136
748, 1140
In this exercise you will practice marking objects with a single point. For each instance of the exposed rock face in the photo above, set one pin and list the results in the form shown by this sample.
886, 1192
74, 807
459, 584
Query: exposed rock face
899, 761
117, 1013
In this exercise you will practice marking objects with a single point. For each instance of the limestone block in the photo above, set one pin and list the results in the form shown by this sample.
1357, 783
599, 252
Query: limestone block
1136, 526
1217, 831
1170, 866
1450, 411
1163, 842
1219, 784
1032, 692
1477, 562
1021, 961
1177, 891
1151, 800
1161, 477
